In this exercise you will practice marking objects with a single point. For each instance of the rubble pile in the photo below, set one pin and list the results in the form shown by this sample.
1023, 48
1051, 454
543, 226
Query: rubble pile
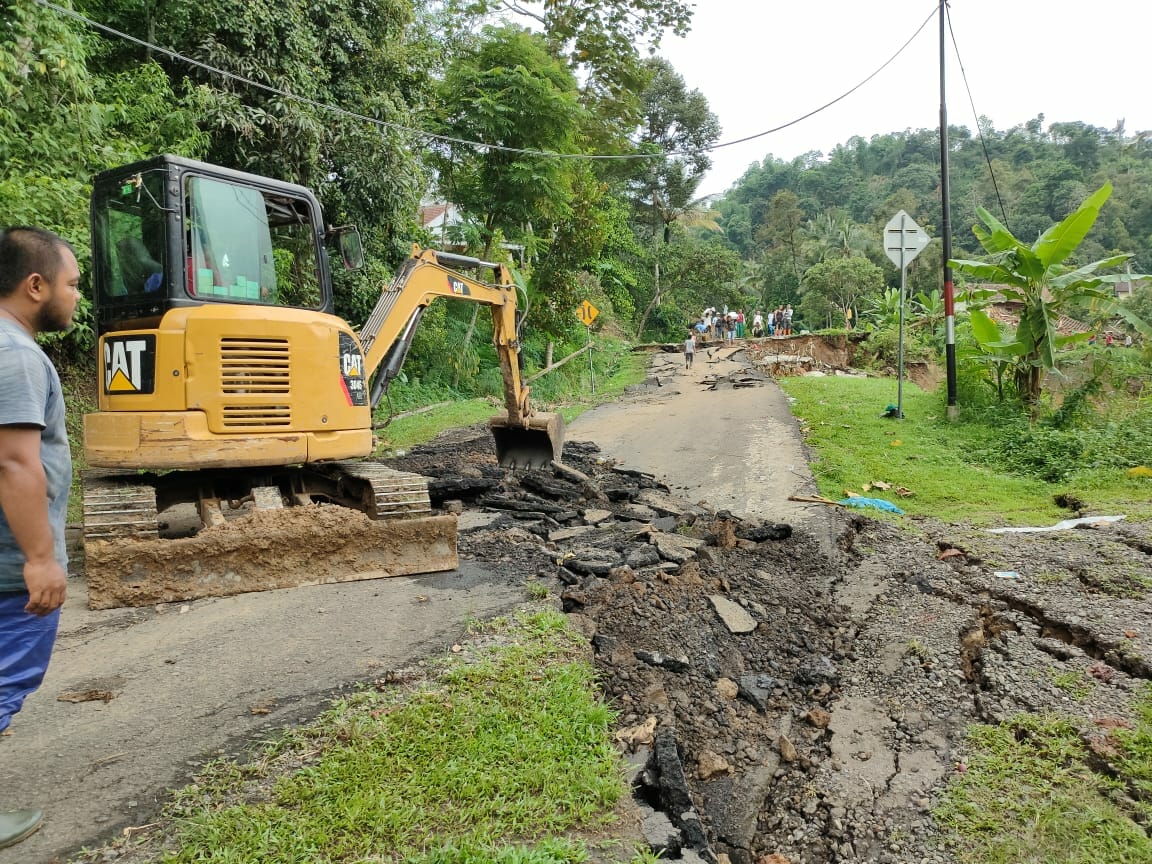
781, 696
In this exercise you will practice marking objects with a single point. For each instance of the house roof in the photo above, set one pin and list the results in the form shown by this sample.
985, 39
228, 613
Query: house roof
1005, 313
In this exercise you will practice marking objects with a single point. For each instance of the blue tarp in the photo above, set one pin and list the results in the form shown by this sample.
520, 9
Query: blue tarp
870, 504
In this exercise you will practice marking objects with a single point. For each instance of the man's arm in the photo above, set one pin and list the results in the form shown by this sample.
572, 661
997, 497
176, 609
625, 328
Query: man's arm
24, 500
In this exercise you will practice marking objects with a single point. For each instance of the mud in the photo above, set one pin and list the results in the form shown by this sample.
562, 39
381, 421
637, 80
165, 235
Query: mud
796, 355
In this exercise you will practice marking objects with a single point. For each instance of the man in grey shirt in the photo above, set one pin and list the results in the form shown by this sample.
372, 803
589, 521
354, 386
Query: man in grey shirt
39, 290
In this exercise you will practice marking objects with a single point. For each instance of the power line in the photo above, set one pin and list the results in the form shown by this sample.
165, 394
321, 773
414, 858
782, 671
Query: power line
839, 98
397, 127
976, 117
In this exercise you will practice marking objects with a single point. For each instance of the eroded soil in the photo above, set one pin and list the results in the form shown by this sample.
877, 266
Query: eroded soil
826, 731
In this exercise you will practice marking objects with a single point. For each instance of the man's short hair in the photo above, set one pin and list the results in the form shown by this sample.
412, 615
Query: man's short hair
25, 250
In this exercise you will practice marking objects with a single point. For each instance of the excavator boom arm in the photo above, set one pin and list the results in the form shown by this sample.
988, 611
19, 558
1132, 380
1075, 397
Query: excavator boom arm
421, 279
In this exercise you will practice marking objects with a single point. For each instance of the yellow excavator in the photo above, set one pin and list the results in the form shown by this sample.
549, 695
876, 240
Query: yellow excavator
233, 402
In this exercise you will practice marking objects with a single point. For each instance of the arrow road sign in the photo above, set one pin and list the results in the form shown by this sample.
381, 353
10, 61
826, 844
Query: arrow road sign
903, 239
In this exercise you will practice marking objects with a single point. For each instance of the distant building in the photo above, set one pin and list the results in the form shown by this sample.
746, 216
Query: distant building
437, 218
1006, 311
1124, 289
440, 218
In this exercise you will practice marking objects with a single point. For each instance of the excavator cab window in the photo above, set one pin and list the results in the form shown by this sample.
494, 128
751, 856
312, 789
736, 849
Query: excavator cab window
133, 252
250, 245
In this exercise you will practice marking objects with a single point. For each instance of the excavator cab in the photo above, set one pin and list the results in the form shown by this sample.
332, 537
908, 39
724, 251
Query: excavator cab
171, 233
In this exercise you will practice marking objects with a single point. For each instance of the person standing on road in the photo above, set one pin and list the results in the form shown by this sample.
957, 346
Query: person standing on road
788, 320
689, 349
39, 290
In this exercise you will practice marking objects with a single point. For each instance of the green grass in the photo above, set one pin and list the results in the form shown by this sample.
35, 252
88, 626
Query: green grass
569, 393
503, 757
946, 464
1074, 683
1029, 795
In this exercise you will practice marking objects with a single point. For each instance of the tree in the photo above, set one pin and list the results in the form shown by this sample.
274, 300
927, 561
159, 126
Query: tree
508, 91
60, 123
598, 36
676, 120
838, 285
835, 235
1037, 277
367, 57
783, 228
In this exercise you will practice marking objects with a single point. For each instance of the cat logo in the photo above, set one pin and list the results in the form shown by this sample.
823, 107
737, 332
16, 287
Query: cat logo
352, 371
353, 364
458, 287
129, 364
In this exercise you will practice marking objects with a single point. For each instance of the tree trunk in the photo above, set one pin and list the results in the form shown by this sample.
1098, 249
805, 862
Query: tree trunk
655, 300
476, 307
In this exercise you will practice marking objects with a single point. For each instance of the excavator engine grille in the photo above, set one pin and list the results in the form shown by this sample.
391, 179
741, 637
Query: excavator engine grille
255, 367
252, 416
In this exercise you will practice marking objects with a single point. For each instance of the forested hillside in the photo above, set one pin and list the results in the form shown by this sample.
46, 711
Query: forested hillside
786, 216
378, 106
384, 104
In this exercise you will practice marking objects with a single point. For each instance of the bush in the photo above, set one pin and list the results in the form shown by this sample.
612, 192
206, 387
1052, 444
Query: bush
881, 349
1055, 449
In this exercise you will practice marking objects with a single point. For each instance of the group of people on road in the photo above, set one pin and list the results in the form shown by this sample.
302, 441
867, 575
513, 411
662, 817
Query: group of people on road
727, 325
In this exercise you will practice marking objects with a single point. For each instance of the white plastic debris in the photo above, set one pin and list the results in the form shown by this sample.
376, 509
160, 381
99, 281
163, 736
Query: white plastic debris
1059, 526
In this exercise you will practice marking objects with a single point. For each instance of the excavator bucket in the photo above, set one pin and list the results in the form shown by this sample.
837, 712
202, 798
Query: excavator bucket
535, 444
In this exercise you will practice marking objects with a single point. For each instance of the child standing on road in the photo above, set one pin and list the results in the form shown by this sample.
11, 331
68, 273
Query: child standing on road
689, 349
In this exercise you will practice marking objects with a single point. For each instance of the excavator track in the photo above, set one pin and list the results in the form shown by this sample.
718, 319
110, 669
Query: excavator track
118, 510
383, 492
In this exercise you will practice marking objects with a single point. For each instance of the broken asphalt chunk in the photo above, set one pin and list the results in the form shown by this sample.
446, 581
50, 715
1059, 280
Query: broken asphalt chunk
643, 556
675, 795
756, 689
816, 670
735, 617
655, 658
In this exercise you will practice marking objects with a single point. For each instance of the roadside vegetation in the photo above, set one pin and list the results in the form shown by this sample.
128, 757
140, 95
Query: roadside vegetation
424, 412
993, 467
1033, 791
498, 752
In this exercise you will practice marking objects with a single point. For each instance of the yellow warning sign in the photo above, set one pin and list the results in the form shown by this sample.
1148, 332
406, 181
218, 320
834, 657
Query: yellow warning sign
587, 313
121, 384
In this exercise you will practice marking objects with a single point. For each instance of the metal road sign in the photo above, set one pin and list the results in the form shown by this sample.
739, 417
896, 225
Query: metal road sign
903, 239
587, 313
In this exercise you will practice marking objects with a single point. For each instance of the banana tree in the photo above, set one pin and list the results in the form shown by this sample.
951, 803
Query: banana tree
1037, 278
991, 348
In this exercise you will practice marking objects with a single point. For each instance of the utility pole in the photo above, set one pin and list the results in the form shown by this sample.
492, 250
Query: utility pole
953, 410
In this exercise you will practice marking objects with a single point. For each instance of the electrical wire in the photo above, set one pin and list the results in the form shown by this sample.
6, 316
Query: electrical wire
839, 98
976, 116
175, 55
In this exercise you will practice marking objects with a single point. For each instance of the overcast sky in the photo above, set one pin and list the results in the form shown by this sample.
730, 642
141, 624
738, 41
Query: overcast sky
762, 63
